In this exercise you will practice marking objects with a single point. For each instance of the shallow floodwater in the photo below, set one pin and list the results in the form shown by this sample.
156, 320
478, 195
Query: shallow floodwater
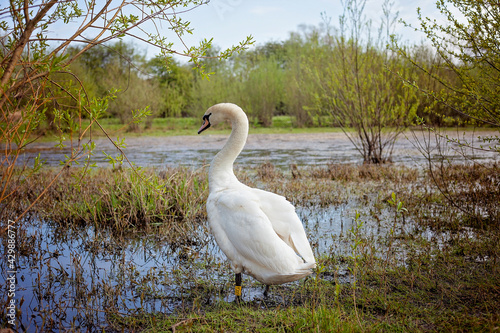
67, 279
278, 149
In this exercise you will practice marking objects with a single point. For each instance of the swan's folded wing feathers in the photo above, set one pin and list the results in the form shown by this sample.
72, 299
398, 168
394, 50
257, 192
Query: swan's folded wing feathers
285, 222
251, 237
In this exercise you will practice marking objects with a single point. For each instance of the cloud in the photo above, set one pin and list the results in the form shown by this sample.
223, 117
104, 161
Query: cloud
265, 10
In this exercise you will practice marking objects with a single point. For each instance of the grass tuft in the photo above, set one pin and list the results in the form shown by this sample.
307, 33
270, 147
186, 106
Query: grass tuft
119, 200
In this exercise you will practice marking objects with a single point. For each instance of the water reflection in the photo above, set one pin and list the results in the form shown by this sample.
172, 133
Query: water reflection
68, 279
80, 278
278, 149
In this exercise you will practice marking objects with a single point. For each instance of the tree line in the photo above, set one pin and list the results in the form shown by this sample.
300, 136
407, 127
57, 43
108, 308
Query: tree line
351, 75
313, 72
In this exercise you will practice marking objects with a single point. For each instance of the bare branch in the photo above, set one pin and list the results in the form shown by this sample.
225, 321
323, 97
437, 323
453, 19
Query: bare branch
30, 26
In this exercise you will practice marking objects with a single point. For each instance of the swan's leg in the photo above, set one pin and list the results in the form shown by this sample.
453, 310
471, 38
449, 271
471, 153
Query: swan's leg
266, 290
237, 288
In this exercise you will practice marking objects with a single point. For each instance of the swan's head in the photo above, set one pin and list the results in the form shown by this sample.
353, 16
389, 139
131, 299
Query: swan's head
219, 113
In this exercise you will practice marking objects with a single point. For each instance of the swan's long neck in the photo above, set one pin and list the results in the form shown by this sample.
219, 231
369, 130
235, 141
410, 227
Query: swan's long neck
221, 169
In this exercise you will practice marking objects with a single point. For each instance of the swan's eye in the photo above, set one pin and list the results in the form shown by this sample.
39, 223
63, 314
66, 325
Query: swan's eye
207, 117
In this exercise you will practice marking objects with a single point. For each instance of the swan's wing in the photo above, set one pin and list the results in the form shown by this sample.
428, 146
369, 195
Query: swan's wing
285, 222
245, 234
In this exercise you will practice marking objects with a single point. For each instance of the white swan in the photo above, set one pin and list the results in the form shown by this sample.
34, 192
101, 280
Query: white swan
258, 231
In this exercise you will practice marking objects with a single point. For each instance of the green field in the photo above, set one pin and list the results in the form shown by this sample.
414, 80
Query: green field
189, 126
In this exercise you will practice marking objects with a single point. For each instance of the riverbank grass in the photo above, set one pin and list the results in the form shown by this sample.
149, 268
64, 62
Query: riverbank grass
159, 127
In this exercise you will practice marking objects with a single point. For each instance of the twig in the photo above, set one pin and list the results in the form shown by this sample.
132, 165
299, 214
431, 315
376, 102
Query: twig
183, 322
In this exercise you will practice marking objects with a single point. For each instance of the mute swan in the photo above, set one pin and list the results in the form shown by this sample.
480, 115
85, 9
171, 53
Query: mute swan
258, 231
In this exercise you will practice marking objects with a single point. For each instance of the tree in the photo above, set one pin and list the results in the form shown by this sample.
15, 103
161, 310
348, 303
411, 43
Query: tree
360, 88
176, 85
118, 66
32, 57
253, 80
263, 86
467, 46
223, 87
305, 55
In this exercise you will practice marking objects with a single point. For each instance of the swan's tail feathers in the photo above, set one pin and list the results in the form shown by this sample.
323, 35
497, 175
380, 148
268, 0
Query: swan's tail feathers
305, 269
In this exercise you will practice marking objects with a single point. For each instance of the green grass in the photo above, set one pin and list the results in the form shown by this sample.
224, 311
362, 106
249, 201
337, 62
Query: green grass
189, 126
249, 318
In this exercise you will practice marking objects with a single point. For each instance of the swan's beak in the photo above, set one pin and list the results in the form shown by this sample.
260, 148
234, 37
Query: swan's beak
206, 124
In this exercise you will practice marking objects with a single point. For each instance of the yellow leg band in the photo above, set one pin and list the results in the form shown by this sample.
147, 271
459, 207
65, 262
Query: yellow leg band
237, 290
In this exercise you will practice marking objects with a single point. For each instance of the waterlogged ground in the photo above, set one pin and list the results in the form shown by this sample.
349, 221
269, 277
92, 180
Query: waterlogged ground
70, 277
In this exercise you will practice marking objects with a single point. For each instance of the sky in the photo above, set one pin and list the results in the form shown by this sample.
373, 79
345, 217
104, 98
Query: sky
230, 21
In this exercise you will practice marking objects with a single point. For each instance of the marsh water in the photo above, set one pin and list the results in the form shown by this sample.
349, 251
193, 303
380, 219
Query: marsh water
279, 149
67, 278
